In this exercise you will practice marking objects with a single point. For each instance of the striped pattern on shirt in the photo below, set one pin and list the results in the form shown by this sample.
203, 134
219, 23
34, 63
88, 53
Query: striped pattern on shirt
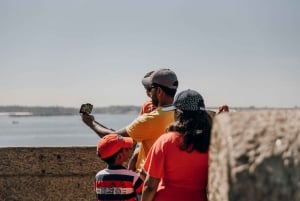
117, 183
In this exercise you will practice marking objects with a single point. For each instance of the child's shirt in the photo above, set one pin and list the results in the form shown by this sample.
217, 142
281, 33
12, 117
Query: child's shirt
117, 183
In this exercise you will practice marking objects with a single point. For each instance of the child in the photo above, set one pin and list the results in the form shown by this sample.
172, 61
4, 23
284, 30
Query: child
116, 182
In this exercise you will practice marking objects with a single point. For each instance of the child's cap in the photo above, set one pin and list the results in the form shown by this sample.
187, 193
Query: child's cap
111, 144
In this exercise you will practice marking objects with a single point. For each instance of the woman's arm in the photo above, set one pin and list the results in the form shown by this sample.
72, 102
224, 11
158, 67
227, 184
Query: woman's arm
150, 188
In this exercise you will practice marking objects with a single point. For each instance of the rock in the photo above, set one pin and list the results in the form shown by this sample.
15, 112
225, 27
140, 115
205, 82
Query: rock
255, 155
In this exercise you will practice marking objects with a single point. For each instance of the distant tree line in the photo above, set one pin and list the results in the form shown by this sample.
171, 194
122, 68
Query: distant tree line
58, 110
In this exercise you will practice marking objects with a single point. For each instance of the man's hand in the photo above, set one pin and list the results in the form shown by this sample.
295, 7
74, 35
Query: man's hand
88, 119
223, 108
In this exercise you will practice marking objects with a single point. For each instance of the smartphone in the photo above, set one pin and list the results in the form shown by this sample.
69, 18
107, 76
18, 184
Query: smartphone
86, 108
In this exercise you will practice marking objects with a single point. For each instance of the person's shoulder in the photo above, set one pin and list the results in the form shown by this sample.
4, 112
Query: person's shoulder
167, 140
145, 120
172, 135
149, 115
101, 172
169, 137
147, 107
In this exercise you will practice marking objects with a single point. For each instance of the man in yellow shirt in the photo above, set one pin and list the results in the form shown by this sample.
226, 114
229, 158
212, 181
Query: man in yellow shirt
146, 128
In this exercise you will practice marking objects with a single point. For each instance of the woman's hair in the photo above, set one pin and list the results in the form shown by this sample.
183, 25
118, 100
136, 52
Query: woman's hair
195, 128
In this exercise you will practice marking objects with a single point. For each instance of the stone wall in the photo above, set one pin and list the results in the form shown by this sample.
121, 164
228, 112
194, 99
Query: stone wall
255, 155
65, 173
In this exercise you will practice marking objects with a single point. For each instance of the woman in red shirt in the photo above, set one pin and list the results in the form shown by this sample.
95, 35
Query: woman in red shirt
177, 164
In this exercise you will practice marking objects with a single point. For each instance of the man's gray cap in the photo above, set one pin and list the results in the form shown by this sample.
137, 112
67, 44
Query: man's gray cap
164, 77
144, 80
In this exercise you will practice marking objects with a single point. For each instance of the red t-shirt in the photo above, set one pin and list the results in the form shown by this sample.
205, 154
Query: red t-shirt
183, 175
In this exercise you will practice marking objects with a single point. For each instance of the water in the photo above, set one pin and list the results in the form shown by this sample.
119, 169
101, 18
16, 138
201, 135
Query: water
53, 131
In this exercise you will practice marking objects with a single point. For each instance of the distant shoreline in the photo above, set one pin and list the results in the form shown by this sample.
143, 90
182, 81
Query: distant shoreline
57, 110
60, 111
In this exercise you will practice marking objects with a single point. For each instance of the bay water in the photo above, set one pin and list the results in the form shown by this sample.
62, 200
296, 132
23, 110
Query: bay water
55, 131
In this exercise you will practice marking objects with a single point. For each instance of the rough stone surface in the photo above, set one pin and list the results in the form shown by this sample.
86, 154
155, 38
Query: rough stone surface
60, 173
255, 155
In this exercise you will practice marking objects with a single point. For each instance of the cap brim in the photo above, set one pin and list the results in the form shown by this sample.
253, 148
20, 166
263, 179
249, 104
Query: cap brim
169, 108
146, 81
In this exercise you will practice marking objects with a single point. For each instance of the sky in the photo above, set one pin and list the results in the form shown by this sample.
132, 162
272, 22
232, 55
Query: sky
65, 53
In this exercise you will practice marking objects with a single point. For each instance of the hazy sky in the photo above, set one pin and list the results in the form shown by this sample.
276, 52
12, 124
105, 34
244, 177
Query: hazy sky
64, 53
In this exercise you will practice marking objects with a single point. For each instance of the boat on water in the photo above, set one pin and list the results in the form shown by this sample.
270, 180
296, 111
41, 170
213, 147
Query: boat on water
17, 114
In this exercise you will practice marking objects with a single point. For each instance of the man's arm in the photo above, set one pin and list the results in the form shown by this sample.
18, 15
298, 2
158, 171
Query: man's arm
100, 129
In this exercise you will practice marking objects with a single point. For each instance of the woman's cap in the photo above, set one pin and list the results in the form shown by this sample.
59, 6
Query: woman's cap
164, 77
111, 144
187, 100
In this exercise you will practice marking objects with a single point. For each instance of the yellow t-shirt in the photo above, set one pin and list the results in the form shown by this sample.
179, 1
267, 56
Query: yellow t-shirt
147, 128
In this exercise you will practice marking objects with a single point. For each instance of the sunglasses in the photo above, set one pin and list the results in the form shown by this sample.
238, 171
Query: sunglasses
148, 89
